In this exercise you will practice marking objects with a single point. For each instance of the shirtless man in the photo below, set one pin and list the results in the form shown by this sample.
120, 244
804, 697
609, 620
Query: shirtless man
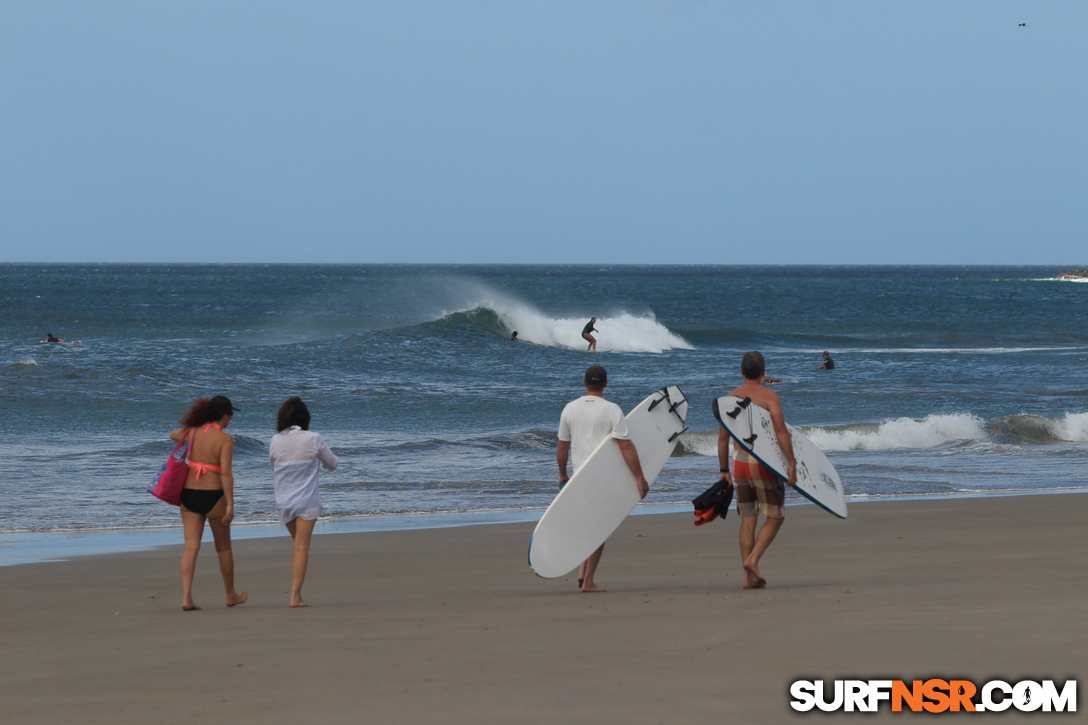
758, 489
586, 336
584, 422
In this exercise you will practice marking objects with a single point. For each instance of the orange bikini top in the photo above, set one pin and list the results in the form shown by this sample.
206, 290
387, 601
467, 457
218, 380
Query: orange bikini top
202, 468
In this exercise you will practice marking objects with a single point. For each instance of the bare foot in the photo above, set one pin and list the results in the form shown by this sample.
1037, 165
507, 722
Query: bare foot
295, 603
752, 579
591, 588
190, 607
237, 599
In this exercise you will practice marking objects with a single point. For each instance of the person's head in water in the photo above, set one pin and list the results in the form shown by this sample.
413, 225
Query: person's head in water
49, 337
293, 412
826, 354
752, 366
514, 336
596, 378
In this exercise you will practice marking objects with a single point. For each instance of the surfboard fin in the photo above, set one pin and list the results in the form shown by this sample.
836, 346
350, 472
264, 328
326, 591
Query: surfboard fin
751, 439
677, 434
740, 406
673, 405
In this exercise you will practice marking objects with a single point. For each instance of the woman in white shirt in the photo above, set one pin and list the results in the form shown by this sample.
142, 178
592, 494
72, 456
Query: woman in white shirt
294, 454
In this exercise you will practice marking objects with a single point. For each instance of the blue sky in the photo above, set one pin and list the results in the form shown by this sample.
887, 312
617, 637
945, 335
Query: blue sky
544, 132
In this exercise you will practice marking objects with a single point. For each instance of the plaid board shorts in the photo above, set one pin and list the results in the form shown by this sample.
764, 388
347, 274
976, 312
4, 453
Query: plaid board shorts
758, 490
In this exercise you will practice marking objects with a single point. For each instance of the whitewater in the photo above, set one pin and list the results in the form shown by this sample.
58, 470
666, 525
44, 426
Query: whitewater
617, 331
933, 431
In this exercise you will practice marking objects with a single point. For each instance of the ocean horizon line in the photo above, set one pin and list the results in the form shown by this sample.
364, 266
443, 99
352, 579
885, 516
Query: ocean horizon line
577, 265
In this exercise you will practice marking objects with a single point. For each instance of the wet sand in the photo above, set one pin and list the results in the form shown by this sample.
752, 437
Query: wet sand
452, 626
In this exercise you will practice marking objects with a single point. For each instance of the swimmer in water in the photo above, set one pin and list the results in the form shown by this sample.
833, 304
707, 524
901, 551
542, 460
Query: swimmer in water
514, 336
49, 338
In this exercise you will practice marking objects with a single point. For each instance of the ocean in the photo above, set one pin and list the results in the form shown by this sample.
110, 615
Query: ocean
948, 380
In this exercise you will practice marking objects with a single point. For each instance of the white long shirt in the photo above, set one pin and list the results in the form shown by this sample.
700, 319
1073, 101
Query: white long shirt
295, 456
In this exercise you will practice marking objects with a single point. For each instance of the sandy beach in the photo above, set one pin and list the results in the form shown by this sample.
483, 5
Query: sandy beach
452, 626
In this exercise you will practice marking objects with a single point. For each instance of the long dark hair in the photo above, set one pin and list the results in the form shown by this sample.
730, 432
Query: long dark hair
206, 410
293, 412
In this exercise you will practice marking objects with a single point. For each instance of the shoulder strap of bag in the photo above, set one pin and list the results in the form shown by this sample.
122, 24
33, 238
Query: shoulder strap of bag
189, 447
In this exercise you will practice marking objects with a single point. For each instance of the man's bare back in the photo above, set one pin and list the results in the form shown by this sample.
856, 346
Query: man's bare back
769, 400
761, 396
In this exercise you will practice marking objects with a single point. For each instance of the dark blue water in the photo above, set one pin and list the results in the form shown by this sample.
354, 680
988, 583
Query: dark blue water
948, 379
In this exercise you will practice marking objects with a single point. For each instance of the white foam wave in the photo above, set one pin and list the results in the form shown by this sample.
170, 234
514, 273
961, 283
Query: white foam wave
1074, 280
903, 433
700, 443
932, 431
619, 332
1073, 427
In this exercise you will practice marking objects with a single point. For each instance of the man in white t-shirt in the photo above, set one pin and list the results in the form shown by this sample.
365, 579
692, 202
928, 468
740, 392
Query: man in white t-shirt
582, 426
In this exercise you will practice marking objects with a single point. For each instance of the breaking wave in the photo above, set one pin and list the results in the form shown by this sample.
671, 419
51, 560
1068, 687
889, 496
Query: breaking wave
697, 443
1074, 280
1072, 427
933, 431
618, 332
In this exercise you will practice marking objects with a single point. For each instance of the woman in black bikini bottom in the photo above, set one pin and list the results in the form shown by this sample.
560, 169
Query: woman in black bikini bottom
208, 494
200, 501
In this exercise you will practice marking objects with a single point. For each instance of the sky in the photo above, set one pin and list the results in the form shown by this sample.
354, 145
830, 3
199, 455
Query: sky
748, 132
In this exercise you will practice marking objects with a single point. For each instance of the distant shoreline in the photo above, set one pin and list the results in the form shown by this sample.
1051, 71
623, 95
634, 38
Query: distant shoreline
37, 547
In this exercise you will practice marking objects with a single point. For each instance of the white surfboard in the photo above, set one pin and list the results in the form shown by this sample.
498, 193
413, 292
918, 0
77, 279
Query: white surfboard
817, 479
601, 493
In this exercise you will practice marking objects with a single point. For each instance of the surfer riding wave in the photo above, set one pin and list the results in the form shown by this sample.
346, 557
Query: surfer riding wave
588, 337
626, 332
